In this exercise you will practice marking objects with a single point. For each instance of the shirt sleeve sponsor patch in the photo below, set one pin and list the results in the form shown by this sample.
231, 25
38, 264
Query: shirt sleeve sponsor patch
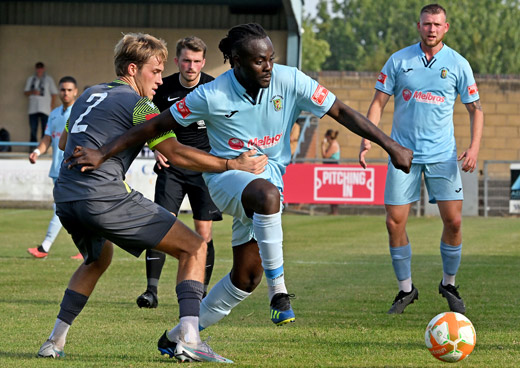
183, 109
473, 89
381, 78
320, 94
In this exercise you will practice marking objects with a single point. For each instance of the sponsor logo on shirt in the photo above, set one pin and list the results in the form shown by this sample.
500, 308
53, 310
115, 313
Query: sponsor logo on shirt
265, 142
473, 89
277, 102
320, 94
171, 99
150, 116
183, 109
235, 143
407, 94
231, 114
201, 124
428, 98
381, 78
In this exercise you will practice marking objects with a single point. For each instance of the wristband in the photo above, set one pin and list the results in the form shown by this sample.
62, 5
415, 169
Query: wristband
37, 151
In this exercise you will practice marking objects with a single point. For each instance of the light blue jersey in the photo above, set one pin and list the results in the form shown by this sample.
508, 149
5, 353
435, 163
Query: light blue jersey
236, 123
55, 126
424, 95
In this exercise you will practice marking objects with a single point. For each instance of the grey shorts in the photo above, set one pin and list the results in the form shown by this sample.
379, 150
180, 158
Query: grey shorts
132, 222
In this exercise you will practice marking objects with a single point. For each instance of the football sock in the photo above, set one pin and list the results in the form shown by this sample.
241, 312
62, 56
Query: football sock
71, 306
189, 295
59, 333
52, 231
154, 265
223, 297
46, 245
401, 261
187, 329
210, 261
405, 285
448, 279
269, 235
450, 255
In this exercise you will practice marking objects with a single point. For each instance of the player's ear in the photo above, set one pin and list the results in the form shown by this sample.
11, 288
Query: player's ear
236, 59
132, 69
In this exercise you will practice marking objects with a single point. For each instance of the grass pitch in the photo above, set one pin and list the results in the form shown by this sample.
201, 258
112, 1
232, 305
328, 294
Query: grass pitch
338, 267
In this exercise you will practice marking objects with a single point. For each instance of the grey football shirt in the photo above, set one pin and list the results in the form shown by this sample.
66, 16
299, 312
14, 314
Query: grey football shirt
101, 114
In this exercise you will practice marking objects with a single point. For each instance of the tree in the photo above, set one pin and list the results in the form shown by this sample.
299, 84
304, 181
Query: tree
314, 51
364, 33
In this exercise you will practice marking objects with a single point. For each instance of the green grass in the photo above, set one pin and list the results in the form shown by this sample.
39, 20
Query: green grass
338, 267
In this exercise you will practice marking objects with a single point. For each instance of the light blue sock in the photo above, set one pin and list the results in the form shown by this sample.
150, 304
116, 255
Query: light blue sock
222, 297
402, 261
269, 235
451, 255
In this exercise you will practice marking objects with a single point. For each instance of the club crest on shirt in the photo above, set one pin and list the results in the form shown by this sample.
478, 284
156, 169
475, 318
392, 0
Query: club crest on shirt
444, 73
277, 102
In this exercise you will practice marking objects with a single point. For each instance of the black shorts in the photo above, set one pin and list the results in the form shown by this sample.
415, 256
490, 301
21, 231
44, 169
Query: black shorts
132, 222
173, 184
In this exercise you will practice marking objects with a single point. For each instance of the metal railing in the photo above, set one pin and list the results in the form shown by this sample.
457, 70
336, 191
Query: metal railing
487, 163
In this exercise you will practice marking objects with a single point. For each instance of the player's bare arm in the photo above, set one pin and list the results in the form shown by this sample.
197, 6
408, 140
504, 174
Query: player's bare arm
190, 158
352, 120
194, 159
476, 117
375, 111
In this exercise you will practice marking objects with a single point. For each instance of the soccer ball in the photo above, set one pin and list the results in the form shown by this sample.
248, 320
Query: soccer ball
450, 337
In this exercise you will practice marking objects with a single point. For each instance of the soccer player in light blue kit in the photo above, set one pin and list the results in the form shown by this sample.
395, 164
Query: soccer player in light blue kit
425, 79
67, 91
252, 106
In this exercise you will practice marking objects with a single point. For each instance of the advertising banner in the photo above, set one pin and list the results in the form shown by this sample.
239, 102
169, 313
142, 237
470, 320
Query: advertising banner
514, 201
337, 184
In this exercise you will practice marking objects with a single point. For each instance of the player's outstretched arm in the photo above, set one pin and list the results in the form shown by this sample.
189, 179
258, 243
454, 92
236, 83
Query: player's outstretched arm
194, 159
91, 159
375, 111
351, 119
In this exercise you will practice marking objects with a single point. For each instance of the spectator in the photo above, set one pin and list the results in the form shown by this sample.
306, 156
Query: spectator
42, 91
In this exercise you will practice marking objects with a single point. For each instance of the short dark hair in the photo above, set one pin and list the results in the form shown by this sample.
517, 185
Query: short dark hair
237, 37
433, 9
68, 79
39, 65
192, 43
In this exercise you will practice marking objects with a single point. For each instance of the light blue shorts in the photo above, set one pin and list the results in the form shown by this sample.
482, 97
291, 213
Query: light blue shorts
226, 190
442, 180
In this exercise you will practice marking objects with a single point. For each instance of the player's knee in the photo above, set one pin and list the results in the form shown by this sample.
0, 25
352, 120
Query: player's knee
393, 225
268, 200
248, 280
453, 224
105, 259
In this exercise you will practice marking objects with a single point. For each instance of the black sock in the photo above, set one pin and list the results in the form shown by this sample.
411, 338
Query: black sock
154, 265
189, 296
210, 262
71, 305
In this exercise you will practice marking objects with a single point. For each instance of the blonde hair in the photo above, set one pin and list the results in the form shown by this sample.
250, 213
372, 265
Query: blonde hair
137, 48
